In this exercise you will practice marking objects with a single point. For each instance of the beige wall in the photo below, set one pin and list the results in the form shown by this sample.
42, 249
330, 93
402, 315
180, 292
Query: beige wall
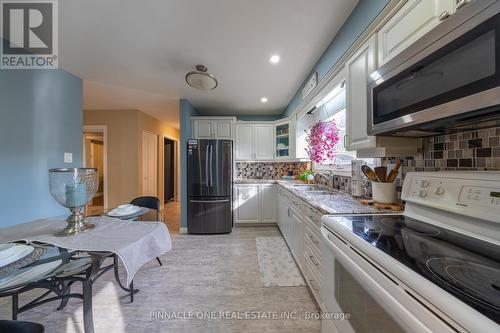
124, 146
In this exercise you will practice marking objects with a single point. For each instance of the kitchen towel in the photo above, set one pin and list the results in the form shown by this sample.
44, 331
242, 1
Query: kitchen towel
135, 243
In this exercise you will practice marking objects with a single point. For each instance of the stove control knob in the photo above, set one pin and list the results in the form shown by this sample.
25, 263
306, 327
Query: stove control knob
422, 193
439, 190
424, 183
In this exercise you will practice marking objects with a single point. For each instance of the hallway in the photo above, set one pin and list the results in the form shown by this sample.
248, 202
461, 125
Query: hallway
172, 215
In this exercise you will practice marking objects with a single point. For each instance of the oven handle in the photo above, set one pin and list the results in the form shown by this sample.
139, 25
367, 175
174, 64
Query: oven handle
405, 318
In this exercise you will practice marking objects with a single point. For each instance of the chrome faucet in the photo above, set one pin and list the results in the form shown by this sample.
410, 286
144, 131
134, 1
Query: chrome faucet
328, 177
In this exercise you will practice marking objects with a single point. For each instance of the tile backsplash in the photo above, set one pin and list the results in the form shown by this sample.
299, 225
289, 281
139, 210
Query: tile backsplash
477, 150
269, 170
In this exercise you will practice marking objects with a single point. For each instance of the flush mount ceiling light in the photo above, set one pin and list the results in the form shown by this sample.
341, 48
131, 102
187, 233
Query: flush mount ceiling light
200, 79
263, 100
274, 59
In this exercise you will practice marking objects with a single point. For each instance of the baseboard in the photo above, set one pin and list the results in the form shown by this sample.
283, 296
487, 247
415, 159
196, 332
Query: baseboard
183, 230
270, 224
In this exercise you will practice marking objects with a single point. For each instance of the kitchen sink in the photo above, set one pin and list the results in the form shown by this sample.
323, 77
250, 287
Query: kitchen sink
318, 192
308, 188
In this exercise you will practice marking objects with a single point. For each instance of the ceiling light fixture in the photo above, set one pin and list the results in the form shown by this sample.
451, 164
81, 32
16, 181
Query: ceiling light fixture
200, 79
263, 100
274, 59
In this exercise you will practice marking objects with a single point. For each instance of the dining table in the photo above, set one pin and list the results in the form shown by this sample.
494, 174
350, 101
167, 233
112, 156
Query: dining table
81, 258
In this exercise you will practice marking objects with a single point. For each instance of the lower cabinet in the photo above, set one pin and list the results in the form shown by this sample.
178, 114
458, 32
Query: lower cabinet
300, 225
254, 203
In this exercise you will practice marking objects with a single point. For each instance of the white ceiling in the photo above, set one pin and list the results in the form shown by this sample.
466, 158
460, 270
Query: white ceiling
135, 54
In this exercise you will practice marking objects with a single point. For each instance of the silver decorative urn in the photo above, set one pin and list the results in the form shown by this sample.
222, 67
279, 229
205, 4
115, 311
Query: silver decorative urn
73, 188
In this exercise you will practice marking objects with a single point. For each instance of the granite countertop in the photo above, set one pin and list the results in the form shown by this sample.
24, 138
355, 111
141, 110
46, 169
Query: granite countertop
335, 202
254, 181
331, 203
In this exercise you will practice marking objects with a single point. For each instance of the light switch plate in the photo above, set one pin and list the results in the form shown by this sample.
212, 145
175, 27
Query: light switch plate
68, 157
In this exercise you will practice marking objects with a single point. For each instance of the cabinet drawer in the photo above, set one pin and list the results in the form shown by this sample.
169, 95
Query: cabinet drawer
314, 259
313, 281
313, 239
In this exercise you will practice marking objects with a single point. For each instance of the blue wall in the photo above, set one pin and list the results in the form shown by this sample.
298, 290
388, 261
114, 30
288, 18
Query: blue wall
186, 110
361, 17
40, 119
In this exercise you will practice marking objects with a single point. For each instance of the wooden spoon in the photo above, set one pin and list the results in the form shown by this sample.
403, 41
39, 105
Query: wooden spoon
381, 172
369, 173
394, 172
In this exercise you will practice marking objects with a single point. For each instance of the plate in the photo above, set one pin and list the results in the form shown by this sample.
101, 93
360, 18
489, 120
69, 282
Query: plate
116, 213
15, 253
28, 274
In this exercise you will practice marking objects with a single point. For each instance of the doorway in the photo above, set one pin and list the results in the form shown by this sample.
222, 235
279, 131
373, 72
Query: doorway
169, 170
149, 164
95, 156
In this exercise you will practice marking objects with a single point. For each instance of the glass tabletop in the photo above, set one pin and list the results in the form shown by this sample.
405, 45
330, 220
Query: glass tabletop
55, 262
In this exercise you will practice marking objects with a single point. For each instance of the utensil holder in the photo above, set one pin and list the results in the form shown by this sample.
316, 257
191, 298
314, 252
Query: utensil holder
384, 192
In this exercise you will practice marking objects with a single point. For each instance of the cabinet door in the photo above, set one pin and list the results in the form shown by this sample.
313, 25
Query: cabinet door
244, 142
411, 22
223, 129
203, 129
264, 139
267, 197
247, 204
358, 68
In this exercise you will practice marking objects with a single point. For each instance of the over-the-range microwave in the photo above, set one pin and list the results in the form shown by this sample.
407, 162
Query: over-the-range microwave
447, 81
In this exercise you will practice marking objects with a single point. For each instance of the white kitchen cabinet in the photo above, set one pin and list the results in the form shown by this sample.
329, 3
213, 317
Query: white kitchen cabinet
247, 204
411, 22
254, 142
358, 68
264, 142
254, 203
221, 128
267, 198
244, 142
285, 139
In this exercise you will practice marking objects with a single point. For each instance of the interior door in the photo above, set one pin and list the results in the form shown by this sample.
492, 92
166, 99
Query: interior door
149, 163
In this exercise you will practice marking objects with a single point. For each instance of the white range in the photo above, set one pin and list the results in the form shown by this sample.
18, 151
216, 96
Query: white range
436, 268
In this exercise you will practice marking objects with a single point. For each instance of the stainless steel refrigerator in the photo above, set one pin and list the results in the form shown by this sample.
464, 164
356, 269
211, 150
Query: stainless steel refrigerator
210, 186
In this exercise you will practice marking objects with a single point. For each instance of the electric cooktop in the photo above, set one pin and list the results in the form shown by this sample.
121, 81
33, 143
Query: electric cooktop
466, 267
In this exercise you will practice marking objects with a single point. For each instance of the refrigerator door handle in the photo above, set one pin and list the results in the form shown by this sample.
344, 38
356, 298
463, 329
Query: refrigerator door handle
209, 201
206, 167
211, 166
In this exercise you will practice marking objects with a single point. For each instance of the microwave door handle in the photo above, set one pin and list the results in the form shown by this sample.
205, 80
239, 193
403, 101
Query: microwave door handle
211, 166
206, 166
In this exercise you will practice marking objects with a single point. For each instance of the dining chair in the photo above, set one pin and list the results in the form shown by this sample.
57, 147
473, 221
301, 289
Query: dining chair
151, 203
16, 326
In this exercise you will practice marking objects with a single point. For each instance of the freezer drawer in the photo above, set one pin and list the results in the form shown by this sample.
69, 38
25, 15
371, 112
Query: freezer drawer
210, 215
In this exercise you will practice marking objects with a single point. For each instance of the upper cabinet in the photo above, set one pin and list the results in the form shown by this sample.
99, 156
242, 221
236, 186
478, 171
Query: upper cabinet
213, 127
285, 141
411, 22
254, 141
358, 68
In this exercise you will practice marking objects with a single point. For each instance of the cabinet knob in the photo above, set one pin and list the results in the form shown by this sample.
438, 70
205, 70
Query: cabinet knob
461, 3
444, 15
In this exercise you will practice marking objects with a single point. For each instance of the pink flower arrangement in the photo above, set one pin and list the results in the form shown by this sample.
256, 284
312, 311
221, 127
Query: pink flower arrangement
321, 139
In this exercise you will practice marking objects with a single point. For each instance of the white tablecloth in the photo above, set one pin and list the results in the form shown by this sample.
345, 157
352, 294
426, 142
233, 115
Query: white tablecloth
134, 242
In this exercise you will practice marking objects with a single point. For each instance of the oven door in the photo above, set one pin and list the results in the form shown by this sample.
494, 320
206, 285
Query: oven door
460, 81
370, 299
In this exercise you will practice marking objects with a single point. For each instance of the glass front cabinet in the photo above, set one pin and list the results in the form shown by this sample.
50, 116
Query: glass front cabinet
284, 144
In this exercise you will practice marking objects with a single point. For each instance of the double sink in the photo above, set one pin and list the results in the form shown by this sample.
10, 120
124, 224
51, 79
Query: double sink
312, 190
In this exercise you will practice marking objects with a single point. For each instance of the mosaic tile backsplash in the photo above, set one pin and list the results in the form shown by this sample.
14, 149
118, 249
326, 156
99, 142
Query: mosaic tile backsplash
269, 170
468, 151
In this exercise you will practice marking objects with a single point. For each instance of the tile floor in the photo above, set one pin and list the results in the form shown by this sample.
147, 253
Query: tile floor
200, 274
